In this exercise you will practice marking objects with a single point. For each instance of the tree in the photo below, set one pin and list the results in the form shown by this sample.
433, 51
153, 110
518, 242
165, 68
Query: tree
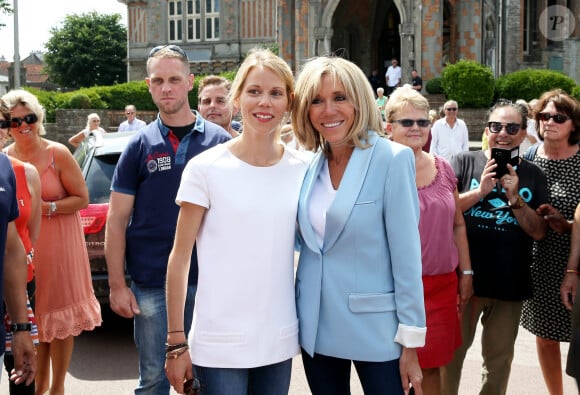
88, 50
5, 9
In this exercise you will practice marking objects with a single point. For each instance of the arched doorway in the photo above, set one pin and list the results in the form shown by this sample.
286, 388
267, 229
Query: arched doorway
389, 42
367, 33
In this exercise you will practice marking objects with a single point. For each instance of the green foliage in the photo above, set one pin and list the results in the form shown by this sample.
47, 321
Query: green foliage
531, 83
114, 97
469, 83
576, 92
434, 87
79, 100
88, 50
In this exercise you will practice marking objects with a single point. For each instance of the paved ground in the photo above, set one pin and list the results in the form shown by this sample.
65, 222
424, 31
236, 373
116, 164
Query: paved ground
105, 362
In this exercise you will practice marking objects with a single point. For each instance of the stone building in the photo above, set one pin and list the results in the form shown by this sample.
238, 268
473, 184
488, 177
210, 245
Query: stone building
507, 35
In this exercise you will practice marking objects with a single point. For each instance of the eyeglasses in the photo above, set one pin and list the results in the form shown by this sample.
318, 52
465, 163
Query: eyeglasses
173, 48
4, 124
129, 113
510, 128
451, 109
191, 387
558, 118
422, 123
29, 119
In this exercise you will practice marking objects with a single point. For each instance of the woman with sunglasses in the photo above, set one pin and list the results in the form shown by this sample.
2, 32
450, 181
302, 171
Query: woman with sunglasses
92, 127
444, 249
544, 315
501, 223
65, 301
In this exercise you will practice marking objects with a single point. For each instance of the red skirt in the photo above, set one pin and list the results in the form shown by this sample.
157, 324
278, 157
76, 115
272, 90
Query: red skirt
443, 328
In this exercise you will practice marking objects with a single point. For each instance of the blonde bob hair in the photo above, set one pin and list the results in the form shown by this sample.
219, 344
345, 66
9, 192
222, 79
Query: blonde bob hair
264, 58
28, 100
358, 91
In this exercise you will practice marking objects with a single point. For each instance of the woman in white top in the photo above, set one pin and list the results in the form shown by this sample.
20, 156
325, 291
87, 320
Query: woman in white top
239, 202
92, 127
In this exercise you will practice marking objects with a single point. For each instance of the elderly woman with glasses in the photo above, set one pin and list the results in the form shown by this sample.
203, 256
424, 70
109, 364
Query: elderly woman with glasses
444, 249
92, 127
544, 315
65, 300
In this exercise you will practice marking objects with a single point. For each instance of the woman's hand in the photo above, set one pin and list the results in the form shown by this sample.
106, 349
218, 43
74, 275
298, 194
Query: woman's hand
178, 371
465, 291
555, 219
410, 371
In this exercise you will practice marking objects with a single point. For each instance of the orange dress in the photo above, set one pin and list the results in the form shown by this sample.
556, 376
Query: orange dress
65, 301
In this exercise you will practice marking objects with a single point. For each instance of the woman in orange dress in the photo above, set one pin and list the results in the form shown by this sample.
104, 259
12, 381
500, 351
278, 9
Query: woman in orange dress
65, 301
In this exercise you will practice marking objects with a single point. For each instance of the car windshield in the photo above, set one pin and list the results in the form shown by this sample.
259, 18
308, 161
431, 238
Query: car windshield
99, 177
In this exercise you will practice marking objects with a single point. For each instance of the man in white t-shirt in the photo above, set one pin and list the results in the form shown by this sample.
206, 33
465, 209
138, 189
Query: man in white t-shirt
393, 76
449, 134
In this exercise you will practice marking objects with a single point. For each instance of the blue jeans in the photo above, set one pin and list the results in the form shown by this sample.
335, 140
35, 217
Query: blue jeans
150, 331
263, 380
331, 376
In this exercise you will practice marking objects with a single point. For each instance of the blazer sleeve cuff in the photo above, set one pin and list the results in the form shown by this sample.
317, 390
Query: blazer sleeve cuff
410, 336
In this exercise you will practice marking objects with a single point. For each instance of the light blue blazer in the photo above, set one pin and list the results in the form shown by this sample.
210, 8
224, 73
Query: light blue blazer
352, 294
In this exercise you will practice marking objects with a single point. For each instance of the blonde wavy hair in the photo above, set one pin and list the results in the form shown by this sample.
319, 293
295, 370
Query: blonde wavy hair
358, 91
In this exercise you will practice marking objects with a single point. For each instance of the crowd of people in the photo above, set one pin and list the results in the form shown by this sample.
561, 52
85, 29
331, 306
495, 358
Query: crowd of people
406, 239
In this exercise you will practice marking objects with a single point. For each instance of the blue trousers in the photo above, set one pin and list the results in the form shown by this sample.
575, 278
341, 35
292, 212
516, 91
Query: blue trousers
150, 332
263, 380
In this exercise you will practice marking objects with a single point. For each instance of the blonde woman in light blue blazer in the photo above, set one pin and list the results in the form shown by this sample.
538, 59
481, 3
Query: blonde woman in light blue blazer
359, 293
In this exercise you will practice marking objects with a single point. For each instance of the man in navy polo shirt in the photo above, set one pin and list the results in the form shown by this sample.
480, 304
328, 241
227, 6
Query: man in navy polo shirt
143, 214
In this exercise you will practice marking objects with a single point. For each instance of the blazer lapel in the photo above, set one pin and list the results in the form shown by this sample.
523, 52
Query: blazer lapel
348, 192
306, 230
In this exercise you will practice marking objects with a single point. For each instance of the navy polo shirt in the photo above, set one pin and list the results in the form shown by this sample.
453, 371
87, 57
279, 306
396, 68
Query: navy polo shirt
150, 169
8, 213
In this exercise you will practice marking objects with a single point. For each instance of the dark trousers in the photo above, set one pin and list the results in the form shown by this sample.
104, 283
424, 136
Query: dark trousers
331, 376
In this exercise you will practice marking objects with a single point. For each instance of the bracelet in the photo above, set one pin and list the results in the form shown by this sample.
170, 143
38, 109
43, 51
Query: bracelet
173, 347
576, 272
466, 272
174, 354
175, 332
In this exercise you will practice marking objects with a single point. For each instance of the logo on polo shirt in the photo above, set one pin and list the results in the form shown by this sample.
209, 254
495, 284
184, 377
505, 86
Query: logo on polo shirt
158, 162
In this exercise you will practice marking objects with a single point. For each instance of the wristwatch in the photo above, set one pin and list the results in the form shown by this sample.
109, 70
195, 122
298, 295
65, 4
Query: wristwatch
21, 327
518, 204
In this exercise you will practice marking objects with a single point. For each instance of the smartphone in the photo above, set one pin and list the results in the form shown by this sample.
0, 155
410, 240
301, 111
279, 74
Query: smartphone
503, 157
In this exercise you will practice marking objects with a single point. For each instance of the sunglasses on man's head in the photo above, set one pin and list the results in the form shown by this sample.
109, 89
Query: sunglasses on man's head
558, 118
510, 128
29, 119
173, 48
422, 123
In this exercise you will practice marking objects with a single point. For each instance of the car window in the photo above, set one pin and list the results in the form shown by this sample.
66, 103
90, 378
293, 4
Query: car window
99, 177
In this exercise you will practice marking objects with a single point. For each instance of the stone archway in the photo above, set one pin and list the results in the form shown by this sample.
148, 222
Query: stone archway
366, 33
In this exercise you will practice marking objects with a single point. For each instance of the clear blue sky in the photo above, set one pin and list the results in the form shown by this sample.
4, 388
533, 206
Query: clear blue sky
36, 17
